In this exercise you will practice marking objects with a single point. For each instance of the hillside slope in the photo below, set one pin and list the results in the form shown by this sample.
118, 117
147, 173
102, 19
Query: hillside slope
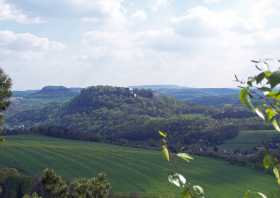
248, 140
130, 170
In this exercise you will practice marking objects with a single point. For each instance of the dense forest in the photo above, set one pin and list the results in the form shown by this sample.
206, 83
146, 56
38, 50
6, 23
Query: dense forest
133, 116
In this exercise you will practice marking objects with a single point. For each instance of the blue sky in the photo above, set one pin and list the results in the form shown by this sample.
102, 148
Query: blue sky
78, 43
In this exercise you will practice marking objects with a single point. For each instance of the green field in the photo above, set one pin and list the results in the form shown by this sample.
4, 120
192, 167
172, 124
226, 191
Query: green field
250, 139
129, 170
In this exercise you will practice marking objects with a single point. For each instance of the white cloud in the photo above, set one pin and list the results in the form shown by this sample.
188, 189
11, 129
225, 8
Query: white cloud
108, 7
164, 40
260, 10
124, 43
26, 44
31, 60
12, 13
159, 4
90, 20
102, 40
213, 1
111, 13
204, 37
229, 27
112, 45
203, 21
140, 15
227, 38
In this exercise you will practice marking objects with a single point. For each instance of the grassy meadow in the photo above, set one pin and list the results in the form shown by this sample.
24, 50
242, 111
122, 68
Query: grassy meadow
129, 169
247, 140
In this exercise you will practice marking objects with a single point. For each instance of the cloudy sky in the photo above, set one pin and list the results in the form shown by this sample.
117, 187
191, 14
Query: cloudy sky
196, 43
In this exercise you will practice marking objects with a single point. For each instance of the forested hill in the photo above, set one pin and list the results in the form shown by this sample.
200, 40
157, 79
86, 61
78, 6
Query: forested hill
132, 116
48, 92
127, 101
55, 91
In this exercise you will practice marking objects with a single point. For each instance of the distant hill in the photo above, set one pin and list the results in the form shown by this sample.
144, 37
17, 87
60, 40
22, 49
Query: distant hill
216, 97
128, 116
36, 99
23, 93
117, 101
157, 87
49, 92
202, 96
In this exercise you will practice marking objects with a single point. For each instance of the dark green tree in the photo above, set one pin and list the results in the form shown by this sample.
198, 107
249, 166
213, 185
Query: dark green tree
97, 187
5, 93
51, 185
34, 195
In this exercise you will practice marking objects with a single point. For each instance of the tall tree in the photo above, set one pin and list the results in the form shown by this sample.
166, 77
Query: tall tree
5, 93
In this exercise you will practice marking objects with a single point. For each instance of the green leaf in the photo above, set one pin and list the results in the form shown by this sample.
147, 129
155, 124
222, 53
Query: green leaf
267, 74
268, 161
245, 99
177, 180
2, 139
265, 89
275, 125
186, 194
250, 82
246, 194
165, 152
198, 190
273, 94
270, 113
276, 174
260, 77
250, 194
185, 156
255, 61
162, 134
259, 113
261, 195
274, 79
